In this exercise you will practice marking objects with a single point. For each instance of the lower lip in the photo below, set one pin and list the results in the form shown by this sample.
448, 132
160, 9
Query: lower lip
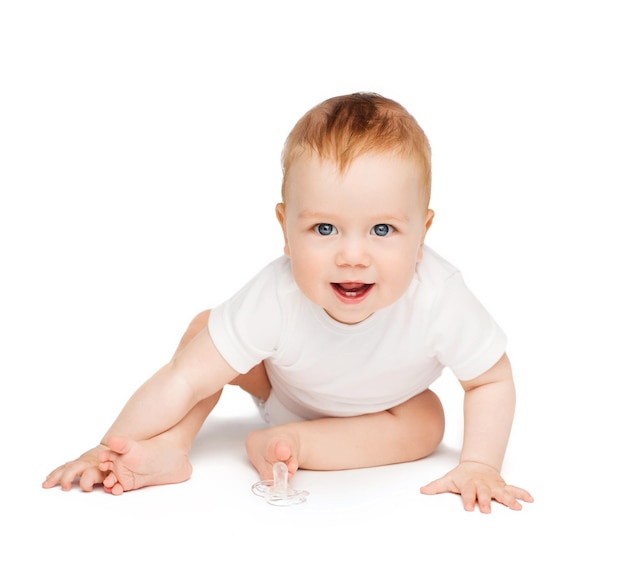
352, 298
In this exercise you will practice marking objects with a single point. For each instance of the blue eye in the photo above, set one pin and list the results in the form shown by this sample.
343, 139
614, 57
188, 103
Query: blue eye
382, 230
325, 229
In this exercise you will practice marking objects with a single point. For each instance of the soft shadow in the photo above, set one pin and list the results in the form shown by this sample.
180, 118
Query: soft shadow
446, 453
223, 435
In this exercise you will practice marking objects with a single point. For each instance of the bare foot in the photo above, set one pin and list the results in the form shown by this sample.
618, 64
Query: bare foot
135, 464
268, 446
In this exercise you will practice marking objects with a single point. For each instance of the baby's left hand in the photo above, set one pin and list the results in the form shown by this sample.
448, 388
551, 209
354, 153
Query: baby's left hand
478, 483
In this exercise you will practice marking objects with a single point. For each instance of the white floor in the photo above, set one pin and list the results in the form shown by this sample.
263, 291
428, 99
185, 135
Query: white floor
139, 168
363, 523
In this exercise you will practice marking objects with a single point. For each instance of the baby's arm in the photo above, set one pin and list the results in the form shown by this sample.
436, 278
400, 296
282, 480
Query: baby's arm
196, 372
488, 409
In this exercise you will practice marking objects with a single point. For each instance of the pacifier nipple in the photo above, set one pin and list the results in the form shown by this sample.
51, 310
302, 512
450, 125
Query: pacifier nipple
278, 491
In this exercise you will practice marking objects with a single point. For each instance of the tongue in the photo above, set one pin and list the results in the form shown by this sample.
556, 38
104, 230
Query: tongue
351, 289
351, 286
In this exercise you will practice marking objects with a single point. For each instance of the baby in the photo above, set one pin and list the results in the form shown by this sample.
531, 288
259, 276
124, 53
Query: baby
339, 339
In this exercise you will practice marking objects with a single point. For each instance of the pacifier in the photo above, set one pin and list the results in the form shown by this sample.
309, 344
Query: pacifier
278, 491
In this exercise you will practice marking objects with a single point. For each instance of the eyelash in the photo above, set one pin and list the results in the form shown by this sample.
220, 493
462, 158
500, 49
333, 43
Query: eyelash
318, 228
330, 229
389, 230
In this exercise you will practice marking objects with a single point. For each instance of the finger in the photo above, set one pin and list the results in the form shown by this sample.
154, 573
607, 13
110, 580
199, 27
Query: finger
105, 455
53, 478
508, 500
437, 487
106, 459
106, 466
508, 497
520, 493
483, 496
69, 474
468, 495
90, 477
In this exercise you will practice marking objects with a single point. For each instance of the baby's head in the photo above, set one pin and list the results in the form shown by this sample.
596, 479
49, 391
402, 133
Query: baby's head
342, 128
354, 214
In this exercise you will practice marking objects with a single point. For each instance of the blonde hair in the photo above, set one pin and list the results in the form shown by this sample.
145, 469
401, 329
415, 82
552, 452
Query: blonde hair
342, 128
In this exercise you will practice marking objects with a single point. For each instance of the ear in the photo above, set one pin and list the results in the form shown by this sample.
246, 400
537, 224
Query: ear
430, 215
280, 215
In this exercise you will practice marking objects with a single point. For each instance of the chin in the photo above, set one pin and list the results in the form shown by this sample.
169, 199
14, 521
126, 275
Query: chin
348, 318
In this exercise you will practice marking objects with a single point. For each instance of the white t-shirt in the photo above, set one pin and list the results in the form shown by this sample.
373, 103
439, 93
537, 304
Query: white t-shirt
319, 367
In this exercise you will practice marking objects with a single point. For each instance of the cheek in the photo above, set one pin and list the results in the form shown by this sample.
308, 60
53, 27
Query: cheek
306, 265
399, 267
304, 254
402, 257
308, 281
309, 269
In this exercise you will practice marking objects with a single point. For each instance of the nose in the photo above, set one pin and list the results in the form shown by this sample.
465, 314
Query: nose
353, 251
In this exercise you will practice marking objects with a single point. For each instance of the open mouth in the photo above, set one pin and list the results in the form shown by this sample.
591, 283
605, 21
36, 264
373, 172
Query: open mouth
351, 290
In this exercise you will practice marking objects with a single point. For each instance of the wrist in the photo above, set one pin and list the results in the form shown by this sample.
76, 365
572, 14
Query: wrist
481, 463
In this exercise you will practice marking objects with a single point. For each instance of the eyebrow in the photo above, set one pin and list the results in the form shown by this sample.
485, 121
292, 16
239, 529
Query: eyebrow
308, 215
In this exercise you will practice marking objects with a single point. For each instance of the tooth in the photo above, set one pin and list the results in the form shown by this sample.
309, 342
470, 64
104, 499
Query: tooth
350, 294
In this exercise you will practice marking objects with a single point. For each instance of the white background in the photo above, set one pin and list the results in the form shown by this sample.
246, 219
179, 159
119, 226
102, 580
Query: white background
139, 169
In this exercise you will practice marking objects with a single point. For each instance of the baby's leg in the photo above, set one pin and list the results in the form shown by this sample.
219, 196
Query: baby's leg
407, 432
164, 459
134, 464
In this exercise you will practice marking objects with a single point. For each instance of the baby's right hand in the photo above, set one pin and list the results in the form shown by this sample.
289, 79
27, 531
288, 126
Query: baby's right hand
85, 467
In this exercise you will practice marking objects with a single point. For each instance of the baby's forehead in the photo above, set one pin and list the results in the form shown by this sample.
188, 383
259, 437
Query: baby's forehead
311, 171
342, 165
312, 162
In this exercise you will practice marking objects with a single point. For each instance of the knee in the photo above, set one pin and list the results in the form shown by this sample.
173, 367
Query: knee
424, 422
434, 422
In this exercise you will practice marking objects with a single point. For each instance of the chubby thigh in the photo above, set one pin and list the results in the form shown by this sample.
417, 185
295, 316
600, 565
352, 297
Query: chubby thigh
407, 432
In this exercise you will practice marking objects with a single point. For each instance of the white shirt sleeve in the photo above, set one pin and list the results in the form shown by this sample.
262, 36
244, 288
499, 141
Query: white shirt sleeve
246, 328
465, 337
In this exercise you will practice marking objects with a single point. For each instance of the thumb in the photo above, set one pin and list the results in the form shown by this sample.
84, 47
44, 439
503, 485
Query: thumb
436, 486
